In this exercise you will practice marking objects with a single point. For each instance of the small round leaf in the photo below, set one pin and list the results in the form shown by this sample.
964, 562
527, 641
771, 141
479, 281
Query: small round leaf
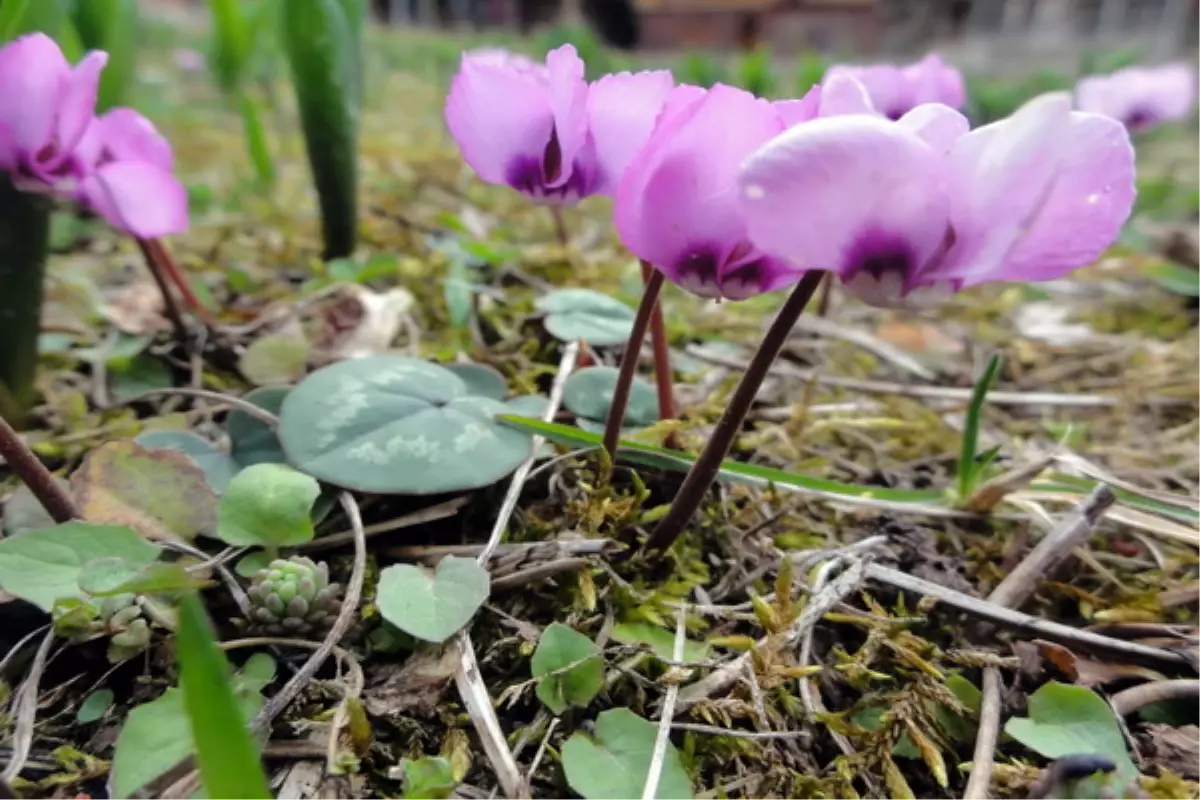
589, 394
395, 425
584, 314
432, 604
267, 505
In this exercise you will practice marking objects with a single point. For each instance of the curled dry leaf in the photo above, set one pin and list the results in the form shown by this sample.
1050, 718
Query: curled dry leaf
160, 493
416, 687
1089, 672
1173, 749
137, 309
355, 321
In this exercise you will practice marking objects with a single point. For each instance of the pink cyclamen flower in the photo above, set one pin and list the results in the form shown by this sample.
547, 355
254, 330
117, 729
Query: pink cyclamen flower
46, 106
545, 131
920, 206
896, 90
129, 180
677, 204
1140, 97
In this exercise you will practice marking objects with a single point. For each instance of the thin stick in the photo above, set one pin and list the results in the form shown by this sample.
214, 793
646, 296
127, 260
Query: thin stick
45, 488
478, 703
565, 366
662, 353
26, 711
701, 475
1126, 702
629, 359
663, 737
261, 414
985, 740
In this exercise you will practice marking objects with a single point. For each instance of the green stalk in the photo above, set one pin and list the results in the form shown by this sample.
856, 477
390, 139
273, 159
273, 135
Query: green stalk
320, 40
24, 246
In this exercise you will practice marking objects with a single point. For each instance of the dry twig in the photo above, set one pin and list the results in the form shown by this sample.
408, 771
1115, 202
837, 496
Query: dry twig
663, 737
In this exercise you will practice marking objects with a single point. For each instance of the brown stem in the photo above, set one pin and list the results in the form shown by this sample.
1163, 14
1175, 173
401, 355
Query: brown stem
629, 360
158, 258
20, 458
560, 227
825, 296
701, 475
169, 303
662, 354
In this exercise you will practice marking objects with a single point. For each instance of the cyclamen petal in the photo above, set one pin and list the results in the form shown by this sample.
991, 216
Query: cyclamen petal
1139, 97
914, 209
33, 72
128, 136
896, 90
543, 130
138, 198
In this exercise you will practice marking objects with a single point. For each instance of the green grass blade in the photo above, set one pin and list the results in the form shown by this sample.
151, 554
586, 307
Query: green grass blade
967, 468
231, 43
320, 48
225, 752
12, 13
256, 142
731, 471
118, 29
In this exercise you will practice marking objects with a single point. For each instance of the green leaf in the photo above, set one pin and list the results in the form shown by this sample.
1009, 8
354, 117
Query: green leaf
577, 666
109, 577
94, 706
12, 12
162, 494
44, 566
231, 43
321, 45
256, 143
659, 640
481, 380
225, 752
614, 763
252, 440
274, 360
143, 373
428, 778
733, 471
585, 314
112, 26
1065, 719
1175, 278
219, 467
268, 505
589, 394
395, 425
968, 470
157, 735
432, 605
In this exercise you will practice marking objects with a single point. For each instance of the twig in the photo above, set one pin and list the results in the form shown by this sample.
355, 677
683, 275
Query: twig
245, 406
1126, 702
817, 606
20, 458
537, 757
26, 711
713, 730
809, 695
819, 325
440, 511
985, 740
1015, 619
478, 703
565, 366
1000, 398
19, 646
663, 736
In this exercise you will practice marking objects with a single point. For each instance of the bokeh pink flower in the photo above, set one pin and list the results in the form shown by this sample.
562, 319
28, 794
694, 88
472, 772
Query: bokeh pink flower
1140, 97
677, 206
544, 130
896, 90
52, 142
920, 207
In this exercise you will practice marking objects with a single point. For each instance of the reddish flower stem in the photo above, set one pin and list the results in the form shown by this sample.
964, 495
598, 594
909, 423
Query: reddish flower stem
701, 475
159, 258
662, 354
25, 464
170, 305
629, 360
560, 227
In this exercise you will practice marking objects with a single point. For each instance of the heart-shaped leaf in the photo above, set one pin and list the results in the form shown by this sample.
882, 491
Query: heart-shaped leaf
1068, 720
589, 393
395, 425
584, 314
274, 360
162, 494
268, 505
570, 668
252, 440
481, 380
432, 605
44, 566
614, 763
219, 467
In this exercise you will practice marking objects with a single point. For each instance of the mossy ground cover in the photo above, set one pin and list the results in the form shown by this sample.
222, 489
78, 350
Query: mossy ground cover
1099, 381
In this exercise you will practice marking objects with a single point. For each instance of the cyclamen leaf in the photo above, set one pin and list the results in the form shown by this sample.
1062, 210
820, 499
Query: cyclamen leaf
614, 763
268, 505
1068, 720
432, 605
570, 668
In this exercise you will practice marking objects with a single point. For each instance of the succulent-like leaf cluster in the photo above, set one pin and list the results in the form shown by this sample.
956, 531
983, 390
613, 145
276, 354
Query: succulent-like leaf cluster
118, 617
293, 595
